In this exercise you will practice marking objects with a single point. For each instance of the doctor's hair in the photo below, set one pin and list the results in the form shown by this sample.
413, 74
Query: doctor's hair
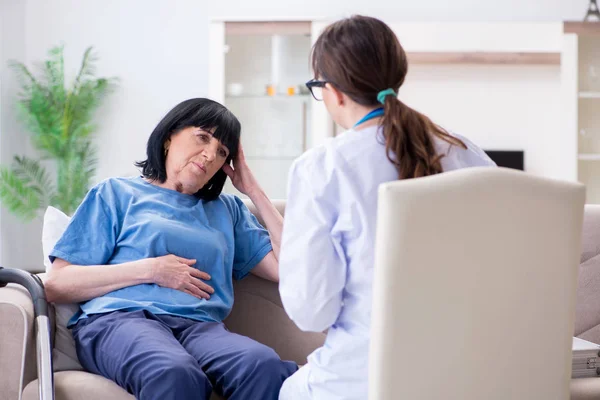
361, 56
199, 113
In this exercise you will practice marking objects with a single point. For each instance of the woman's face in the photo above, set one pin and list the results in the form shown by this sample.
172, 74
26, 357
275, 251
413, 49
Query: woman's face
194, 156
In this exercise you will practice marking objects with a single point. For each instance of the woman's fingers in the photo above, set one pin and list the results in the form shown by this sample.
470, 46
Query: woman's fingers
195, 286
228, 170
199, 274
195, 291
185, 261
193, 294
202, 286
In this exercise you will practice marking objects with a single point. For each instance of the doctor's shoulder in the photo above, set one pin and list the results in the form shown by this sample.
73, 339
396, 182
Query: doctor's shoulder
319, 165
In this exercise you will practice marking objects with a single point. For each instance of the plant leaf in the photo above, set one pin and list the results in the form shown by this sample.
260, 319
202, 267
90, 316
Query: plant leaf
35, 176
15, 195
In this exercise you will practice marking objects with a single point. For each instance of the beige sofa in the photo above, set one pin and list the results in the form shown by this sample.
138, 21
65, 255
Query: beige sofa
257, 313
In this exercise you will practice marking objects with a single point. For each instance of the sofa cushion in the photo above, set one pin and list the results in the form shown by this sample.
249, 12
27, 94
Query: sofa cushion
585, 389
587, 312
258, 313
590, 239
64, 356
79, 385
588, 297
17, 340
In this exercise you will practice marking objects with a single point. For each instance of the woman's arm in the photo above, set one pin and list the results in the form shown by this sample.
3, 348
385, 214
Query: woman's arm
267, 268
242, 178
68, 283
269, 214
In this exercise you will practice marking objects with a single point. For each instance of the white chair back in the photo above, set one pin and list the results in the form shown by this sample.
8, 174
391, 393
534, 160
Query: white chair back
474, 287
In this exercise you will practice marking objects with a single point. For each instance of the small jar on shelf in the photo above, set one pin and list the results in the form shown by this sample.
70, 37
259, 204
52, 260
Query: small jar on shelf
271, 90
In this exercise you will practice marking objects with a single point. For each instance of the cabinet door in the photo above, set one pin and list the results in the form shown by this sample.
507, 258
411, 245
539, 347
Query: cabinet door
274, 133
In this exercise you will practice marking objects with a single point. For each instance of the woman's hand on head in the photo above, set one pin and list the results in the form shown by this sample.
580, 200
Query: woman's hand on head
241, 176
177, 273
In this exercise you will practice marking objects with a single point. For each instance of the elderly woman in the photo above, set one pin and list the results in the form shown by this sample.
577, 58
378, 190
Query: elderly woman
151, 261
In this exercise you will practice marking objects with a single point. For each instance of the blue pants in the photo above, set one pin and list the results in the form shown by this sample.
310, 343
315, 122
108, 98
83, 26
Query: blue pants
164, 357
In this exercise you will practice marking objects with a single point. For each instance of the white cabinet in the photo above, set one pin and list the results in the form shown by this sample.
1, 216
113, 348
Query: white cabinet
581, 78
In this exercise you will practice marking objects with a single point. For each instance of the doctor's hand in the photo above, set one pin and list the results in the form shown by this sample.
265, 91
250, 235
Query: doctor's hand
177, 273
241, 176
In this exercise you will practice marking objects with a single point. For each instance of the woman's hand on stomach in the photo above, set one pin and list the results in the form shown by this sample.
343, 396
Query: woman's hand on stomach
177, 273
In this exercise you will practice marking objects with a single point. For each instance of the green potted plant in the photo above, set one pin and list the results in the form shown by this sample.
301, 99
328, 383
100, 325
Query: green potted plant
60, 121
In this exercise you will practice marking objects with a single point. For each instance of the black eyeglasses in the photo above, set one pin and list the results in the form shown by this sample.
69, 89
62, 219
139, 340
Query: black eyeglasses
316, 88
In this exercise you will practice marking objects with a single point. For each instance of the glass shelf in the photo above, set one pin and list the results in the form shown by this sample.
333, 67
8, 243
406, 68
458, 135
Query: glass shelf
589, 95
588, 157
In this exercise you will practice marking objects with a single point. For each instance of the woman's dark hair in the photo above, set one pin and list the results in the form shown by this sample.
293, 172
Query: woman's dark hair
361, 56
200, 113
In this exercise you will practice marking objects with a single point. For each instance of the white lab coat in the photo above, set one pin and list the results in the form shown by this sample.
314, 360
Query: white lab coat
327, 252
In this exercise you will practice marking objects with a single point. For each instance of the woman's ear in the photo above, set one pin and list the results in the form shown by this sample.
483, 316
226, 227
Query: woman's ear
337, 95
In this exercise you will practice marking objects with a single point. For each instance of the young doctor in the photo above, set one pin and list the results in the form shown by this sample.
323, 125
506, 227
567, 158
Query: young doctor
326, 260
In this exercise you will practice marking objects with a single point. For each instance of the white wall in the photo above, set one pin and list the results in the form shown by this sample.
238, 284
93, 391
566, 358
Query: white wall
1, 80
158, 48
409, 10
498, 108
17, 240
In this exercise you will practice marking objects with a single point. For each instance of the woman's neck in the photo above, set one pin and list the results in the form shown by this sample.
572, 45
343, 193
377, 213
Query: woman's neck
171, 185
360, 112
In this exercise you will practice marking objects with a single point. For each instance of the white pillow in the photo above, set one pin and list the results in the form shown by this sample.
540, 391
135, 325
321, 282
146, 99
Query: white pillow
65, 355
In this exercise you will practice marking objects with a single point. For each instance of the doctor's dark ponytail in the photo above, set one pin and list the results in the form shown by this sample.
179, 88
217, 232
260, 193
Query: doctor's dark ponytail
409, 140
361, 57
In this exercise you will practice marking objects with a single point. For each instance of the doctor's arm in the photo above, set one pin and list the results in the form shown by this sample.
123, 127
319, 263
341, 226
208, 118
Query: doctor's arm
312, 267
